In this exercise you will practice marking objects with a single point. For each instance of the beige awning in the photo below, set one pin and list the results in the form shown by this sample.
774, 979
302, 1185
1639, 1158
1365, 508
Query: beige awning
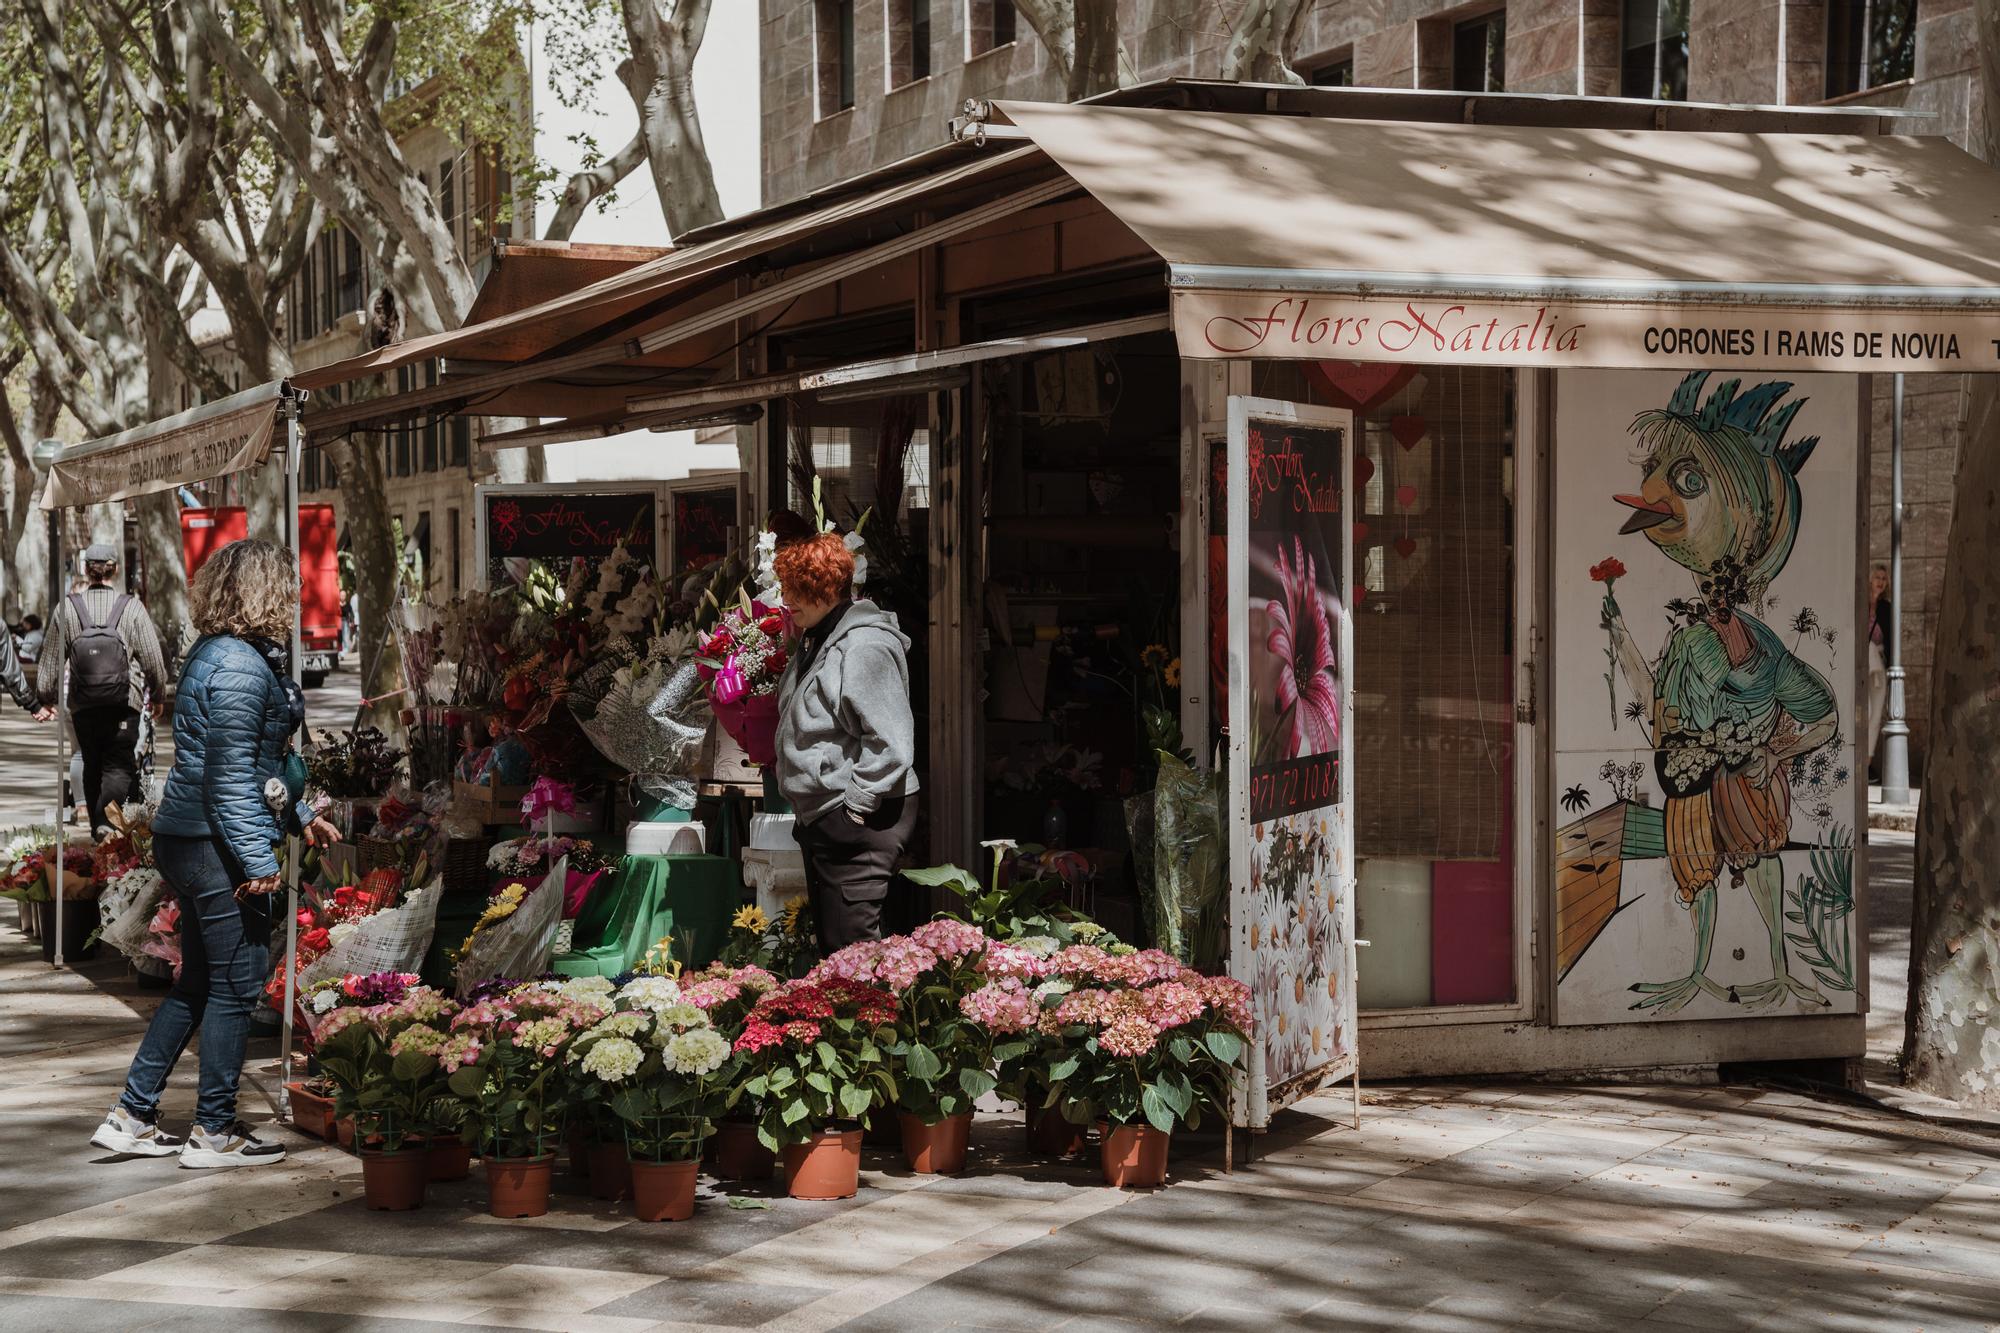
228, 435
1289, 236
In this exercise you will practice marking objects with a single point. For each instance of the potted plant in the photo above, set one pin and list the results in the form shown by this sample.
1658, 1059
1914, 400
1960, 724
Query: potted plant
509, 1074
383, 1061
1143, 1044
727, 990
664, 1073
817, 1065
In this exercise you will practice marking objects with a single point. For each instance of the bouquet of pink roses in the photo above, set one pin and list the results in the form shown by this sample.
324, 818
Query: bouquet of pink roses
741, 661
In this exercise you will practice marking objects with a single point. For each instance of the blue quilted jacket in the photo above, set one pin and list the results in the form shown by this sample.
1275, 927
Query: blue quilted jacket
231, 730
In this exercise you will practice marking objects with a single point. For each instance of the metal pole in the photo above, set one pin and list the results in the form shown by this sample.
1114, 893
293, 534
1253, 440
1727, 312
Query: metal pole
56, 578
1895, 730
291, 466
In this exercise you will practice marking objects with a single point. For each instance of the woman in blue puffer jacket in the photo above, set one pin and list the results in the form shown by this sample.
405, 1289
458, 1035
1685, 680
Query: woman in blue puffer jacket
226, 804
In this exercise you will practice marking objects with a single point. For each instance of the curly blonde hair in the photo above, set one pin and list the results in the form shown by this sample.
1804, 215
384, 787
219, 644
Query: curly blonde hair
247, 589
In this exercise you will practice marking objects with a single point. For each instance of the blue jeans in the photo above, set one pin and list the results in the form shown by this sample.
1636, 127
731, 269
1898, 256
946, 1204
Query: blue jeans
225, 960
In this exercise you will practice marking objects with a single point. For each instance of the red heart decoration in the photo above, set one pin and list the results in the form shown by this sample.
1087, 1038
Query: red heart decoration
1364, 468
1406, 547
1406, 496
1409, 430
1361, 532
1360, 385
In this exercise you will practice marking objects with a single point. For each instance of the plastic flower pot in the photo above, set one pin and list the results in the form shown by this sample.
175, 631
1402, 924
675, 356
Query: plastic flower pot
343, 1131
739, 1154
518, 1186
936, 1149
1050, 1135
663, 1191
1134, 1156
311, 1113
451, 1157
393, 1182
609, 1178
825, 1166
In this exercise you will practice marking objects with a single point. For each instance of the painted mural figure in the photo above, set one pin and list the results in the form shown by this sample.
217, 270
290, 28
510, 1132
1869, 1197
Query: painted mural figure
1731, 707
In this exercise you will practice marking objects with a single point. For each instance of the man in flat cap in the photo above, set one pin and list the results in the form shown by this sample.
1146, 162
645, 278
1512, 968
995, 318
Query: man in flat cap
106, 640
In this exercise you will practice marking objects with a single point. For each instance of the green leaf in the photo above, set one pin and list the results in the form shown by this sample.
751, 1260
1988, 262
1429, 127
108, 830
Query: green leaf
923, 1064
1178, 1092
855, 1100
794, 1111
1011, 1050
1224, 1046
739, 1202
820, 1081
1159, 1113
828, 1057
976, 1082
1063, 1068
945, 877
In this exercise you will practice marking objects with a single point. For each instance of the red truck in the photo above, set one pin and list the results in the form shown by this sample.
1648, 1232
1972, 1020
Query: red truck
205, 531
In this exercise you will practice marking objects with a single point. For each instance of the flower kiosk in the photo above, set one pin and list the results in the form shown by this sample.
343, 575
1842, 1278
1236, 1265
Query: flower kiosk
1397, 549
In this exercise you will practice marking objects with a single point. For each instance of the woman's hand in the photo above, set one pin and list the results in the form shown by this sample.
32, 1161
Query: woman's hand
321, 833
257, 888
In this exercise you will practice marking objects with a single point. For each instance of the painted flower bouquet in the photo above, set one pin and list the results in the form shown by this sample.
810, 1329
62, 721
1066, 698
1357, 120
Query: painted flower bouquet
741, 661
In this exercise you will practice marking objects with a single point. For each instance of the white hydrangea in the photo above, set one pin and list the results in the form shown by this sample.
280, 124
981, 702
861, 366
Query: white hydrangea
698, 1052
624, 1025
590, 990
613, 1060
653, 993
680, 1017
325, 1000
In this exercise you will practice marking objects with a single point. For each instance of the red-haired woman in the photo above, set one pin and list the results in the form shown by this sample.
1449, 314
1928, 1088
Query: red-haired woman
846, 740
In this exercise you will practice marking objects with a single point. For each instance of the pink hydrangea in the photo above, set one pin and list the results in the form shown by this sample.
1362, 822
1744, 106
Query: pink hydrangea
1002, 959
459, 1050
1171, 1004
948, 938
1229, 997
1002, 1006
339, 1021
894, 963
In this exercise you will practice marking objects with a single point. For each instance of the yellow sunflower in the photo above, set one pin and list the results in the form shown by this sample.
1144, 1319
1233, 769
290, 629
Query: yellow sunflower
752, 919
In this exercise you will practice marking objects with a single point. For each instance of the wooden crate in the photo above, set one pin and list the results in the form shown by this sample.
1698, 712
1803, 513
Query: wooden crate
490, 804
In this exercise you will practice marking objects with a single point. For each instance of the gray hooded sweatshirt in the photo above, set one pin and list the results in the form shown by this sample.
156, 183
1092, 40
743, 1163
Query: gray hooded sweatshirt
845, 734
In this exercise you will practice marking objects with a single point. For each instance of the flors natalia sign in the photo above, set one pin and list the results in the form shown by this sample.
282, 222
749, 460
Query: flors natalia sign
1211, 324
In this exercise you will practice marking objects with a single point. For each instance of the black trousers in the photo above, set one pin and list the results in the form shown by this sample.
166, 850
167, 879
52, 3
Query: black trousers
108, 740
848, 866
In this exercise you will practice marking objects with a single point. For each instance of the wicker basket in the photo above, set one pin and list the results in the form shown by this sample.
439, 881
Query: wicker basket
465, 865
374, 854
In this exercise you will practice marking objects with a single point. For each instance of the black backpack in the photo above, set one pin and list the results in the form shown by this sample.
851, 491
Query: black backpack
100, 670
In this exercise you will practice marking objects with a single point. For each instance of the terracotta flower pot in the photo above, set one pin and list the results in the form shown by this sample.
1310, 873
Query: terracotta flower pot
1050, 1135
739, 1155
663, 1191
343, 1131
393, 1182
451, 1157
311, 1113
518, 1186
936, 1149
825, 1166
1134, 1156
609, 1178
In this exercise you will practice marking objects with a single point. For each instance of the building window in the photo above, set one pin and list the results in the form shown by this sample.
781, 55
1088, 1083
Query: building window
906, 41
1479, 54
833, 56
1333, 74
457, 556
989, 24
1869, 43
350, 271
1656, 50
459, 445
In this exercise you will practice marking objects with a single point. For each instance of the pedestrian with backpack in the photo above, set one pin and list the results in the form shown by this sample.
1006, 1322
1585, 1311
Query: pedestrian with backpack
106, 641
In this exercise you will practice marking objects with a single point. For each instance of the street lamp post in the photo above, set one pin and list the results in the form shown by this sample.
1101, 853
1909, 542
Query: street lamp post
1895, 730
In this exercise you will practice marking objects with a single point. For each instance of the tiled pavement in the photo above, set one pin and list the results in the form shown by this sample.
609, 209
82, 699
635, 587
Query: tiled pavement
1453, 1207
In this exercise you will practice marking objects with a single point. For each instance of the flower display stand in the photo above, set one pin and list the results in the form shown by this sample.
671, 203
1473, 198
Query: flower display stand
773, 868
647, 899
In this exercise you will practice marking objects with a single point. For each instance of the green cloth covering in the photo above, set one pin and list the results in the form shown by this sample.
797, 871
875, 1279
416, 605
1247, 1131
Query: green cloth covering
647, 899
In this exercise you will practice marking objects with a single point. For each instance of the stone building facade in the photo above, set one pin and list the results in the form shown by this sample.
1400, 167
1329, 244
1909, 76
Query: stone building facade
851, 86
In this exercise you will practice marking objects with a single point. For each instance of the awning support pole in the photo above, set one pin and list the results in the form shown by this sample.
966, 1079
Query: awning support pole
290, 462
56, 579
1895, 730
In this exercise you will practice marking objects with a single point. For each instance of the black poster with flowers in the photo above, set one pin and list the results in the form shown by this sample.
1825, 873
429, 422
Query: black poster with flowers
1297, 512
562, 527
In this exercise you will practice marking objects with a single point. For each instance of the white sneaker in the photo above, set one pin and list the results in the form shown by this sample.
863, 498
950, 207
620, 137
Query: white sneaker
236, 1146
124, 1132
